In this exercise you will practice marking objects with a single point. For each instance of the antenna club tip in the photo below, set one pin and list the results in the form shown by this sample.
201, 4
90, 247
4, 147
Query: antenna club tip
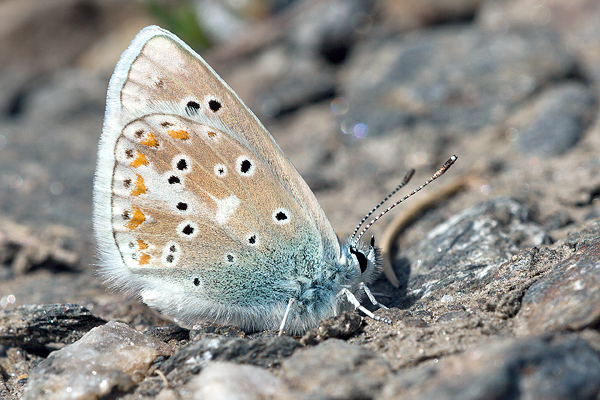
449, 163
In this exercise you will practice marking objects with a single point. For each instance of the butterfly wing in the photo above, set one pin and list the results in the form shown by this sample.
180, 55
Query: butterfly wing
197, 208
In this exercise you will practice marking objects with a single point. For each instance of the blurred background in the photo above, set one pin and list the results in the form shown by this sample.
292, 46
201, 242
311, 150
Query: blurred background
356, 92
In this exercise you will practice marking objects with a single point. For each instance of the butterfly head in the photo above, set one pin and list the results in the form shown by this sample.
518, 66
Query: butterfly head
362, 262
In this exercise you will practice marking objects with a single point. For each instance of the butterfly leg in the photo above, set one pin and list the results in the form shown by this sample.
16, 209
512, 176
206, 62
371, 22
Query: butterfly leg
354, 301
288, 309
369, 294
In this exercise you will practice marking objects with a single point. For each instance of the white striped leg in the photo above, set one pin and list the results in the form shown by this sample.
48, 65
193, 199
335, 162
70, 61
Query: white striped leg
285, 316
372, 298
354, 301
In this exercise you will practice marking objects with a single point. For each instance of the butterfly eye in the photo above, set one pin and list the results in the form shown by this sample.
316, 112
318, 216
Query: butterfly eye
361, 258
220, 170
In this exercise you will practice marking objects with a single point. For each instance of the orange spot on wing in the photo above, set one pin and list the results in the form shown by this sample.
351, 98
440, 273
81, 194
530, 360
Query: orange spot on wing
140, 187
136, 219
211, 134
144, 259
181, 134
150, 141
140, 159
142, 245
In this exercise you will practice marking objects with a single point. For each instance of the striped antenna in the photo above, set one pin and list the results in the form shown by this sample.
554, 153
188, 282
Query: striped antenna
406, 179
439, 173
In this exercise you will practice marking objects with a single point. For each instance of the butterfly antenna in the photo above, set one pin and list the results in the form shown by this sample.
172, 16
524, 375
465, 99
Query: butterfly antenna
406, 179
439, 173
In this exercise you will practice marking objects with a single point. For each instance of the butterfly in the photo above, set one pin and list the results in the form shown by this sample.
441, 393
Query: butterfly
200, 213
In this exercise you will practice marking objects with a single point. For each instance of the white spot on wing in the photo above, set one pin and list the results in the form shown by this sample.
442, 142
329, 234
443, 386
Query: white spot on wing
149, 295
174, 63
225, 208
187, 229
220, 170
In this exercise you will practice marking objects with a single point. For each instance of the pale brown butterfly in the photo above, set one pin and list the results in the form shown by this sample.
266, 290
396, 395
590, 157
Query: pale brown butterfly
200, 213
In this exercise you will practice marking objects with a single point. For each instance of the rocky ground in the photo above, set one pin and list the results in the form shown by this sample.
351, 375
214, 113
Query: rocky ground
497, 263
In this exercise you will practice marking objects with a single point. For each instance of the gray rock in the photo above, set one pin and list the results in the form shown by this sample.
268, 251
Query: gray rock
108, 359
457, 79
586, 233
47, 163
536, 368
336, 370
567, 298
32, 326
556, 120
67, 97
218, 22
468, 248
190, 359
24, 249
576, 23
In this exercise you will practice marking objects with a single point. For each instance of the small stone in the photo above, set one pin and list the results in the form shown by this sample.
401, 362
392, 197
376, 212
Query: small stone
33, 326
108, 359
567, 298
225, 380
415, 322
208, 329
342, 326
336, 369
453, 316
172, 334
